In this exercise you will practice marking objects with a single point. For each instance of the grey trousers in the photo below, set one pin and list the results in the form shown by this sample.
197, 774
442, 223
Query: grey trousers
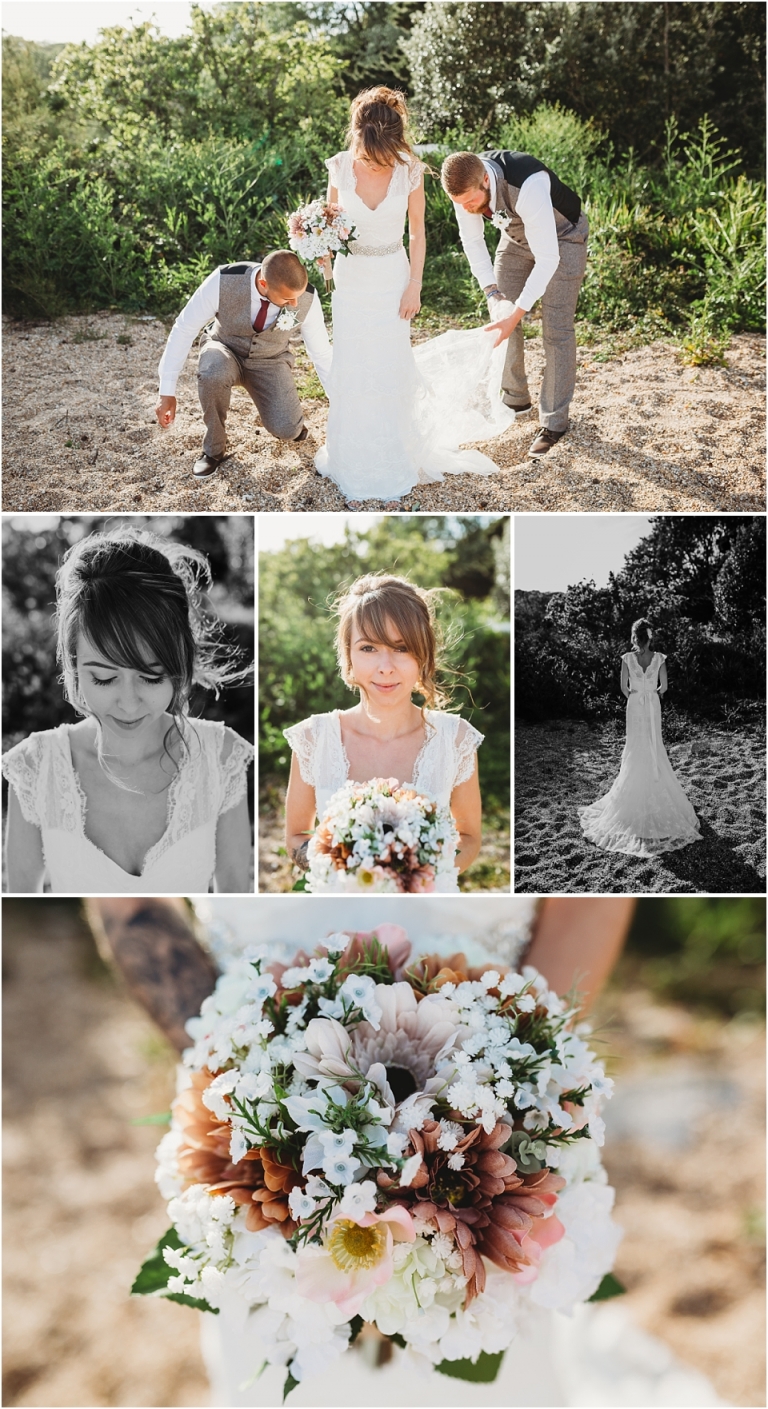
558, 309
268, 381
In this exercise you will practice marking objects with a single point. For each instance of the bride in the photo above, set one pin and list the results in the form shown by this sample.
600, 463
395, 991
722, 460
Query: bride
397, 415
138, 795
387, 647
646, 812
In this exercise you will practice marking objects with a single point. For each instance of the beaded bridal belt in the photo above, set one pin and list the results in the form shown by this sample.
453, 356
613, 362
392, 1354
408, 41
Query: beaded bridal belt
356, 248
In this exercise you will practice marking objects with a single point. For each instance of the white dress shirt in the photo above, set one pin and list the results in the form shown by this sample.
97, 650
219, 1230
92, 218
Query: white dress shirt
203, 307
534, 206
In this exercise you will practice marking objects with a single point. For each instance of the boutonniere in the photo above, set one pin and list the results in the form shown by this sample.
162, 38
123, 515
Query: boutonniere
286, 318
501, 219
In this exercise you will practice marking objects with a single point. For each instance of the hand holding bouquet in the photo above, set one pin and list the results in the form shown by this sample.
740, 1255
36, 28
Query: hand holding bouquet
317, 230
382, 838
363, 1139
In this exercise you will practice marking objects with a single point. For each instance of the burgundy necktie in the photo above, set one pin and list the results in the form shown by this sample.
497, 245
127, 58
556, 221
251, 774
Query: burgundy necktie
486, 212
261, 316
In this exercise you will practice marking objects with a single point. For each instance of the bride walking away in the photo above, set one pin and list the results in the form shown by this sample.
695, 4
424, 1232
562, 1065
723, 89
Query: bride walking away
640, 704
646, 811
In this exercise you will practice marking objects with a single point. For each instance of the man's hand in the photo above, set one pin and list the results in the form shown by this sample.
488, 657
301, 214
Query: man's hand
505, 326
165, 410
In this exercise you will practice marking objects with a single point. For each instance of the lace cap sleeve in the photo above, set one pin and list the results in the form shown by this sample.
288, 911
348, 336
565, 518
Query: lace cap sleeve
336, 168
468, 741
415, 173
661, 658
234, 769
21, 766
301, 738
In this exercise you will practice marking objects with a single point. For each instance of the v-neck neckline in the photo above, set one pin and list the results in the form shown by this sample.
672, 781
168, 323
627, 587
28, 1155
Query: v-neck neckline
148, 857
361, 783
372, 208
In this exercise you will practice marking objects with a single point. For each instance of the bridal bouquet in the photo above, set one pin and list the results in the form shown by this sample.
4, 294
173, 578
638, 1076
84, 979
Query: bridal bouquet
382, 838
318, 229
362, 1139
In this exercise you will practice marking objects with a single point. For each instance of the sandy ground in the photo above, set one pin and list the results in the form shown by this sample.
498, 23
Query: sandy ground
562, 765
490, 873
647, 434
81, 1209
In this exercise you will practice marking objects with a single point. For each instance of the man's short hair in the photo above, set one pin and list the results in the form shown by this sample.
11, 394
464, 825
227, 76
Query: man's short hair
462, 171
284, 270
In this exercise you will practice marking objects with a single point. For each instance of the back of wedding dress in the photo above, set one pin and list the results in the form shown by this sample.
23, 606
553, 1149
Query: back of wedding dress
646, 811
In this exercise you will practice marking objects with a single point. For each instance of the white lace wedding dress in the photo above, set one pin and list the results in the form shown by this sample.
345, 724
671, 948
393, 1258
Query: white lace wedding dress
42, 774
646, 811
398, 415
595, 1358
445, 759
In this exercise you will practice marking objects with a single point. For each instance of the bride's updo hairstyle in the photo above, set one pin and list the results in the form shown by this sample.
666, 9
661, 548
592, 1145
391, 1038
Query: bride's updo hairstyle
373, 607
642, 634
378, 127
138, 599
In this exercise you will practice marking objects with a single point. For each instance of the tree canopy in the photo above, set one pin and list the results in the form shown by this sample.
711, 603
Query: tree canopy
700, 581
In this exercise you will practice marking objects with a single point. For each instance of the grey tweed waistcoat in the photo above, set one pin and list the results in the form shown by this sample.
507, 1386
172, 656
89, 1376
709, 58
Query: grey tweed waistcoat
511, 169
232, 324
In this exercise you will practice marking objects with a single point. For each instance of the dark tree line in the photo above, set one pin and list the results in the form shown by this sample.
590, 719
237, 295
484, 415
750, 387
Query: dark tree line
699, 581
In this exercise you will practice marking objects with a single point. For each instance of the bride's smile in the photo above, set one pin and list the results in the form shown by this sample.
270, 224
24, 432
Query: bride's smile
385, 670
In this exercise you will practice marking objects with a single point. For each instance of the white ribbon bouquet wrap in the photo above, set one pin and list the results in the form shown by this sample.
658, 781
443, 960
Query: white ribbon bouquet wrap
364, 1139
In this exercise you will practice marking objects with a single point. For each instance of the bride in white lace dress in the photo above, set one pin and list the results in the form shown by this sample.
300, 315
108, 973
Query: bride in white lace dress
137, 796
397, 419
387, 649
646, 811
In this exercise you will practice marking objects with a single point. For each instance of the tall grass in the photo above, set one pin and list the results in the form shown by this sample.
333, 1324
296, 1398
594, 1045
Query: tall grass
678, 248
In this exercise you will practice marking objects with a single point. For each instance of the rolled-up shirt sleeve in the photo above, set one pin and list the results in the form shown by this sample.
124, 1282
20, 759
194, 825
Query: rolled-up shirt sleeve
317, 342
202, 307
534, 206
473, 240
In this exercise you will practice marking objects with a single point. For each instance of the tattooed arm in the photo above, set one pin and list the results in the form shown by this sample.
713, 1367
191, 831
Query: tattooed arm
299, 856
152, 944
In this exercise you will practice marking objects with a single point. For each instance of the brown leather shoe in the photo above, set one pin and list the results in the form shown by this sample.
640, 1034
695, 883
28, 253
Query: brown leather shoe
544, 442
206, 466
303, 433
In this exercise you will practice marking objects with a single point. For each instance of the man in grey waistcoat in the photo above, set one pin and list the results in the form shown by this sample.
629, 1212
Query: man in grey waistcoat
542, 253
256, 308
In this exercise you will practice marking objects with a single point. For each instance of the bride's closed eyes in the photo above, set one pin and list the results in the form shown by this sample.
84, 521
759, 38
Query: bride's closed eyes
146, 679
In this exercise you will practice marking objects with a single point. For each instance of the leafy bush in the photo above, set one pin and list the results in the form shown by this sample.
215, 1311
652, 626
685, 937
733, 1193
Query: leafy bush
135, 165
701, 582
707, 951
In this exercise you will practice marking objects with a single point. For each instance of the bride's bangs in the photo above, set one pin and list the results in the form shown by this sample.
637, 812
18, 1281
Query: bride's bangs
128, 634
375, 618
